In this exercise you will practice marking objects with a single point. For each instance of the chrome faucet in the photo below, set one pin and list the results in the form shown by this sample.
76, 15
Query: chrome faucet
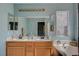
64, 45
58, 42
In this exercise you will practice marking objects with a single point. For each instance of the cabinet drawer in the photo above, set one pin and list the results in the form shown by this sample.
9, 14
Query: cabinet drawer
15, 44
29, 44
43, 44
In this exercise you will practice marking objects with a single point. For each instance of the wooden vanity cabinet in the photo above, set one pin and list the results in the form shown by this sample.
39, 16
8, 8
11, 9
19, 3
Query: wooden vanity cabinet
54, 52
30, 48
43, 48
15, 49
42, 51
29, 51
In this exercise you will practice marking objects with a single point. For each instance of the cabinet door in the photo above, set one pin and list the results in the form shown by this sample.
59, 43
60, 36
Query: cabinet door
55, 52
42, 51
29, 51
52, 52
43, 44
15, 51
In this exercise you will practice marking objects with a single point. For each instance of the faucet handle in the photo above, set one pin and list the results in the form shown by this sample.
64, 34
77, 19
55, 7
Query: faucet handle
58, 42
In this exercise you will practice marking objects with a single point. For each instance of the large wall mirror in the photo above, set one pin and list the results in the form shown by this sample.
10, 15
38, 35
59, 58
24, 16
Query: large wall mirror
50, 26
35, 26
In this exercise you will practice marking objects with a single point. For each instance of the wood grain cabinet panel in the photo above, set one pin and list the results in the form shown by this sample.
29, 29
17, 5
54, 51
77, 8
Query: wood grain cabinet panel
29, 44
15, 51
42, 51
29, 51
14, 44
54, 52
43, 44
42, 48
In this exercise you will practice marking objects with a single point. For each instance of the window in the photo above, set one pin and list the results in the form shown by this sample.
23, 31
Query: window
12, 23
62, 22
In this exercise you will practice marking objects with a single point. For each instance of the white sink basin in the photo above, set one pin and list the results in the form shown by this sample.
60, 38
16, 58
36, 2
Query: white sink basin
66, 49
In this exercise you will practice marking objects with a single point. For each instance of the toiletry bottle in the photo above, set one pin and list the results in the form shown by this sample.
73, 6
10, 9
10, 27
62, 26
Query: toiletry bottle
20, 36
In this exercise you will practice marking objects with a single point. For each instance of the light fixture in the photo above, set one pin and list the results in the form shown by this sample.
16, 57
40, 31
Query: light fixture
32, 10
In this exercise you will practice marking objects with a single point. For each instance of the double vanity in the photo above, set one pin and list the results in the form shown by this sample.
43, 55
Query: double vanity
30, 48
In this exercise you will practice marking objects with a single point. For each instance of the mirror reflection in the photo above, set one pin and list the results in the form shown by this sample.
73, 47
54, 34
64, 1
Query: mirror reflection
34, 27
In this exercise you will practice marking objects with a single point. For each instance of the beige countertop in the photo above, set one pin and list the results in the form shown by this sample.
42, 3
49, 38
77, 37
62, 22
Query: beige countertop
27, 40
